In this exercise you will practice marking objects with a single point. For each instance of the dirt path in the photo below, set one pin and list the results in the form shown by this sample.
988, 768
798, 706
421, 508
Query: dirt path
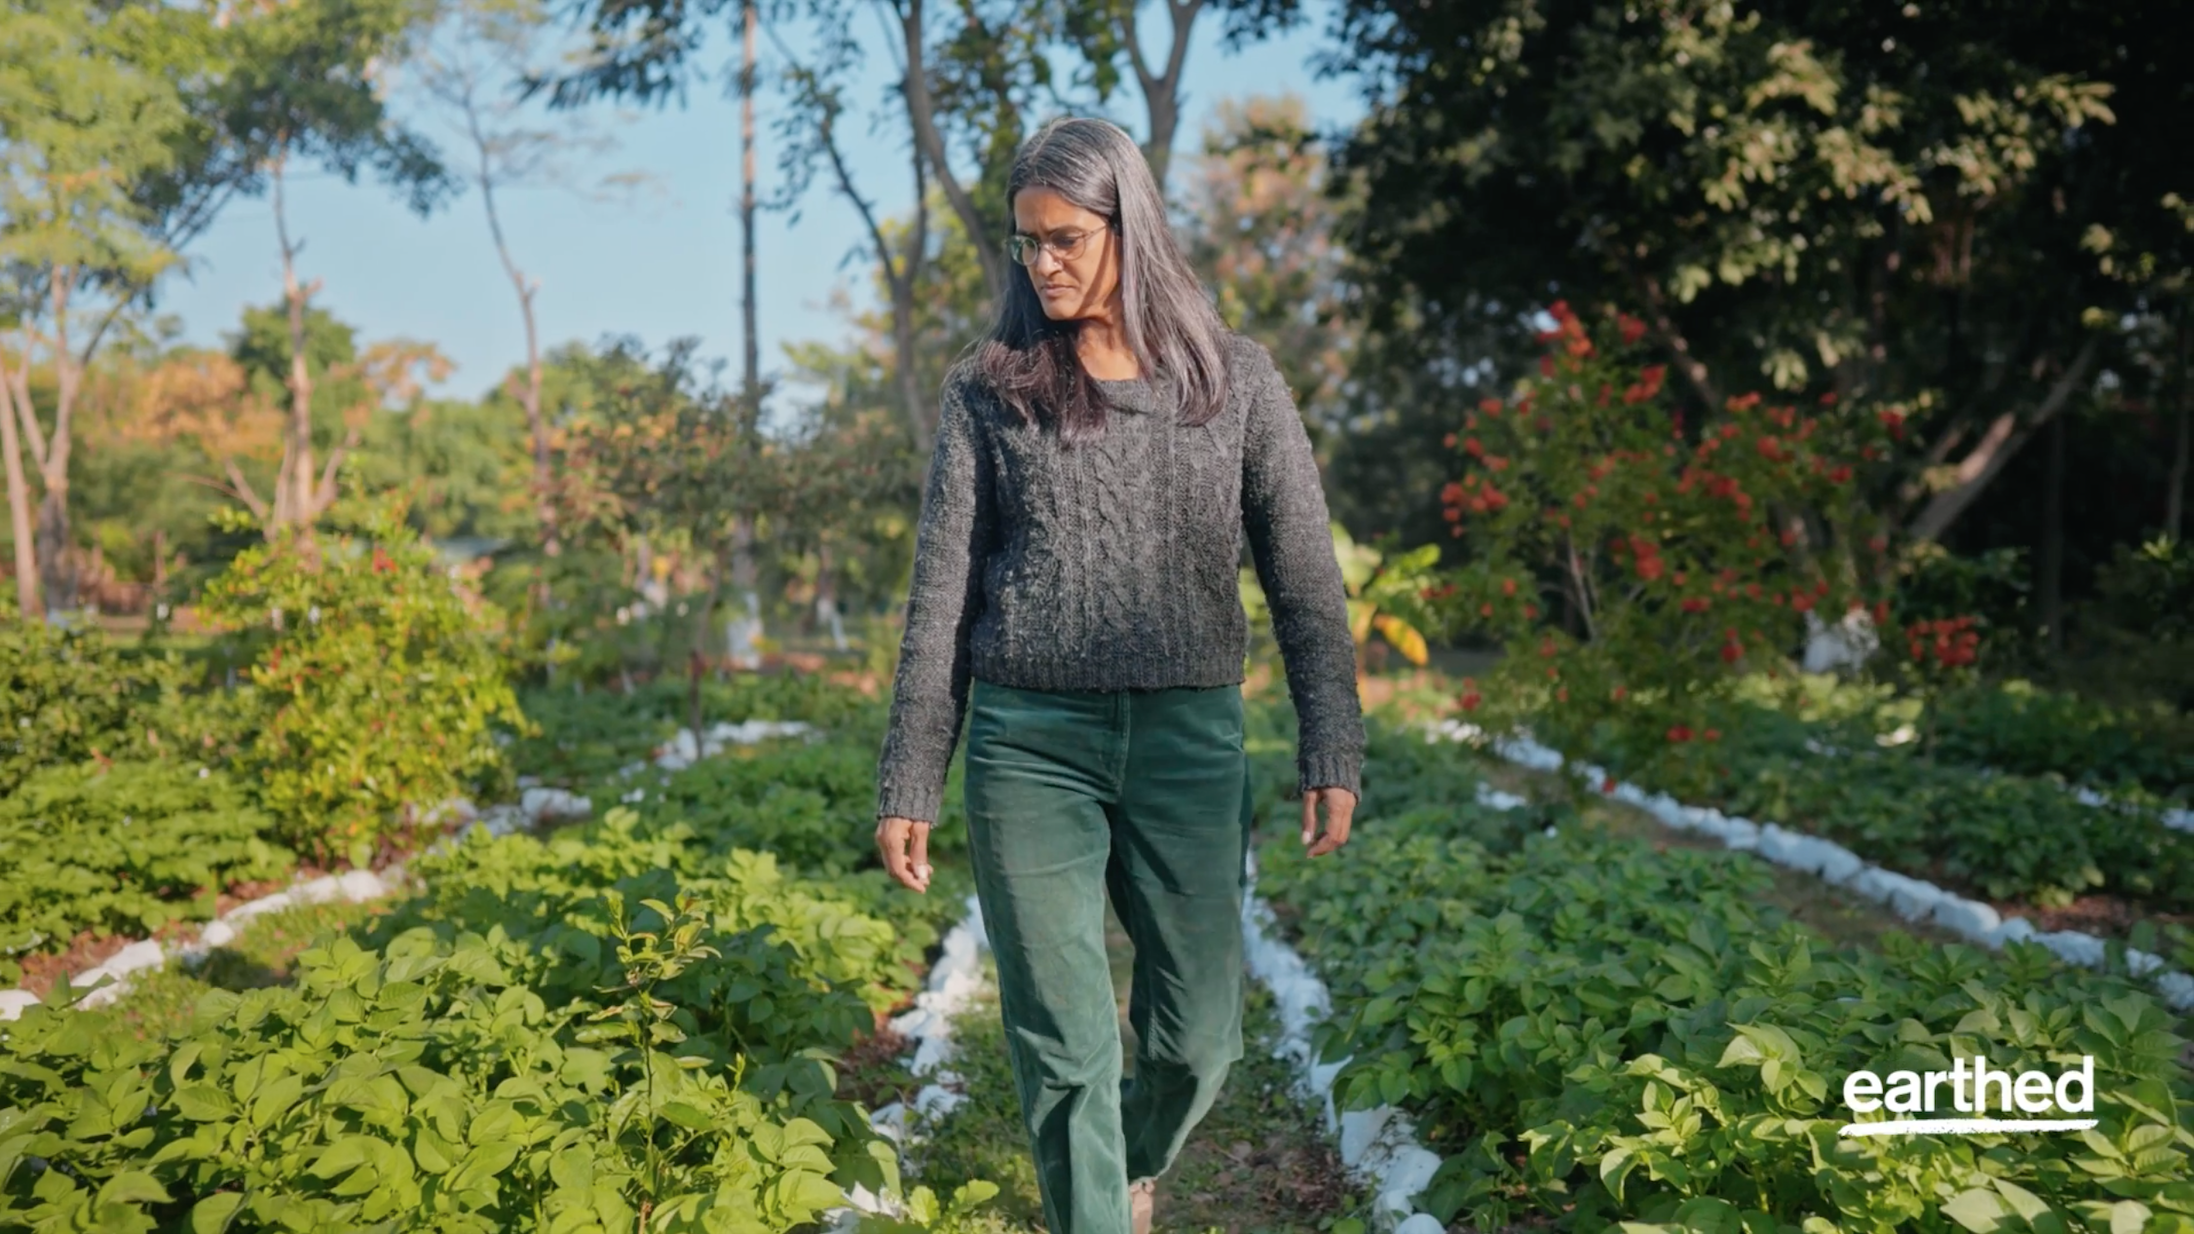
1260, 1163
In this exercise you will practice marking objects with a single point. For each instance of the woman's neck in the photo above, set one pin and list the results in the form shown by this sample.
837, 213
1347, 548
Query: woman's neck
1101, 345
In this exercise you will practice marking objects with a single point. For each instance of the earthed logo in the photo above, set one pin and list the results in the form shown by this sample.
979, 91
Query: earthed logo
1974, 1091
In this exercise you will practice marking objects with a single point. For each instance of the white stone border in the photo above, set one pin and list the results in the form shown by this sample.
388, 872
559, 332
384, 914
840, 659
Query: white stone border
953, 983
536, 805
1910, 898
1379, 1145
149, 955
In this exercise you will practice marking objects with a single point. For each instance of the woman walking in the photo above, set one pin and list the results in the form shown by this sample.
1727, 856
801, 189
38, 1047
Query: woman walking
1101, 456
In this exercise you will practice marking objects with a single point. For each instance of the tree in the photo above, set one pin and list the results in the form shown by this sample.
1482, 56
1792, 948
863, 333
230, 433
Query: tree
303, 85
1110, 31
81, 121
482, 52
1886, 204
1261, 232
810, 132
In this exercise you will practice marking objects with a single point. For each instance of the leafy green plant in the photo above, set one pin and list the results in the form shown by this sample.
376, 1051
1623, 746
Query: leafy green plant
2140, 620
1387, 594
68, 695
2015, 727
516, 1050
1595, 1034
126, 848
2004, 837
579, 735
378, 686
415, 1087
924, 1213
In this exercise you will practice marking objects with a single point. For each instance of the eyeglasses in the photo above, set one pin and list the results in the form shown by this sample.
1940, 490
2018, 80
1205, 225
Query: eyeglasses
1064, 245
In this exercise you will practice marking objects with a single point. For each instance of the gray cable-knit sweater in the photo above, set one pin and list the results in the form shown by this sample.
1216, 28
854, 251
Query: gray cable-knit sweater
1112, 566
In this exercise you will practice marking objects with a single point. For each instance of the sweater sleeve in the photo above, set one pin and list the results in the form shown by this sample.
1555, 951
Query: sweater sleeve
1291, 542
930, 689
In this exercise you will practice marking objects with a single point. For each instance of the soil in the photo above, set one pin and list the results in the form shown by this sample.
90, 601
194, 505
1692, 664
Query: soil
2101, 915
872, 1070
41, 972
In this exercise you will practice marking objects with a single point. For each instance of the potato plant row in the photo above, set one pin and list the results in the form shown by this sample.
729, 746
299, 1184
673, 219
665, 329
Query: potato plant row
1595, 1033
1998, 836
628, 1021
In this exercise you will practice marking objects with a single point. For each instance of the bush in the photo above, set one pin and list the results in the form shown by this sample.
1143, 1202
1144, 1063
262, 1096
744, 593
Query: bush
2143, 622
2017, 728
122, 849
1631, 569
377, 684
1935, 584
71, 695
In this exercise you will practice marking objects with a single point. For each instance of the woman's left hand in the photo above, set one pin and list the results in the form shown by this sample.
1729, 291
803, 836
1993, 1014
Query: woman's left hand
1339, 805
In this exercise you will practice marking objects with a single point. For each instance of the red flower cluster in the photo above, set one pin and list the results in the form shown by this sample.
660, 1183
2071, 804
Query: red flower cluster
381, 562
1645, 556
1951, 642
1473, 493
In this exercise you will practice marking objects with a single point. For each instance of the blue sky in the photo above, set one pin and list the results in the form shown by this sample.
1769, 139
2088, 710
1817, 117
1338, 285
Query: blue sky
661, 263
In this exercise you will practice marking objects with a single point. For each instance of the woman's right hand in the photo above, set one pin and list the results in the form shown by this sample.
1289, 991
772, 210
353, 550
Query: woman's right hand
894, 838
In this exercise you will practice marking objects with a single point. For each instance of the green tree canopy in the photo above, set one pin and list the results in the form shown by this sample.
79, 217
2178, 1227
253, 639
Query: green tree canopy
1900, 206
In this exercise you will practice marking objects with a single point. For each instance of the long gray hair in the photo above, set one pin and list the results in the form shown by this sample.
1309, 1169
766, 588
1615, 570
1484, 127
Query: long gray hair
1172, 328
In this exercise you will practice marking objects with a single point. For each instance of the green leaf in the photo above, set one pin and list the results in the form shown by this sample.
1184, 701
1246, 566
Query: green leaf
1615, 1167
341, 1157
691, 1117
1978, 1209
132, 1187
203, 1103
215, 1213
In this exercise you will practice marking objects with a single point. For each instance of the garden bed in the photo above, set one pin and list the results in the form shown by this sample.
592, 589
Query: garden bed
505, 1008
1591, 1031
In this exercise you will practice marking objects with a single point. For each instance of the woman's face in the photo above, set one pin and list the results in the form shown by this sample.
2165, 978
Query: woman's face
1076, 268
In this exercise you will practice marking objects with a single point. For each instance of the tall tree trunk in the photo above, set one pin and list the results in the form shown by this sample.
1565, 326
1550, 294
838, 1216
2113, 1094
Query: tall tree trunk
826, 595
902, 274
930, 140
744, 653
529, 397
27, 599
2005, 434
56, 549
2049, 562
294, 486
2175, 497
1161, 89
746, 629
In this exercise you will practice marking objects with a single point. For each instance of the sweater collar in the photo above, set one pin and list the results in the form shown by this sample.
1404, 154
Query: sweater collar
1136, 394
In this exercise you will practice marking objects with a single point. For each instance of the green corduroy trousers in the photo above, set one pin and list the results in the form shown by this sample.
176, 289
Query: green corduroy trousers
1141, 796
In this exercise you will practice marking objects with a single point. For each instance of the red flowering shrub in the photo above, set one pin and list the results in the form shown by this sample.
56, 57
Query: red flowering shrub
1630, 567
1949, 643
